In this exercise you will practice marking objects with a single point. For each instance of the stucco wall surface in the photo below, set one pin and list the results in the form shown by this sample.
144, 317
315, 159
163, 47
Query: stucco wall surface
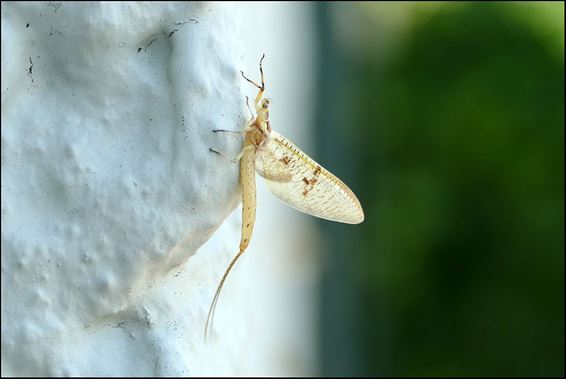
109, 189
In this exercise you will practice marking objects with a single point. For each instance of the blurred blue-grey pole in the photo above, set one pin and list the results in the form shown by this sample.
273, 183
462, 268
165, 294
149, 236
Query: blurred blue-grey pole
340, 305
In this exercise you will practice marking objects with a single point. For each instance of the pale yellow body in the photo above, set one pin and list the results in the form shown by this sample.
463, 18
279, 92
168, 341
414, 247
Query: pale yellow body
255, 134
247, 180
290, 175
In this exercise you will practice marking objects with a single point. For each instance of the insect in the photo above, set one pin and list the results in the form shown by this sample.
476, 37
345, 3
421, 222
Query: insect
290, 175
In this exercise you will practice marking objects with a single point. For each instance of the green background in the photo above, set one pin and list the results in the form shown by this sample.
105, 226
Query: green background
447, 121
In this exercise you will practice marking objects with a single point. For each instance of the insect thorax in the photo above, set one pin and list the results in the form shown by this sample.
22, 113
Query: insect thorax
255, 137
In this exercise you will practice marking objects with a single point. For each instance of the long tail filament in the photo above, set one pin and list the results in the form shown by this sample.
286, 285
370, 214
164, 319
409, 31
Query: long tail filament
210, 317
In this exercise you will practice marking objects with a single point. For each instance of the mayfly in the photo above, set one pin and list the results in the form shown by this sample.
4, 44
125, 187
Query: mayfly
290, 175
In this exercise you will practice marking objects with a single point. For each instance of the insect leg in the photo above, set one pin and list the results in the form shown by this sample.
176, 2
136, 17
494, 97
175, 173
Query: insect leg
251, 81
246, 129
229, 131
262, 87
236, 158
233, 160
249, 109
261, 71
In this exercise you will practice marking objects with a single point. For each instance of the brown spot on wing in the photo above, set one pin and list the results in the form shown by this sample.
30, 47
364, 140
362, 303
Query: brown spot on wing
309, 185
285, 160
317, 170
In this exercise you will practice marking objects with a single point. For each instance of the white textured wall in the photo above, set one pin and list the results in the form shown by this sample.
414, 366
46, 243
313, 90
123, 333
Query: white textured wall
109, 191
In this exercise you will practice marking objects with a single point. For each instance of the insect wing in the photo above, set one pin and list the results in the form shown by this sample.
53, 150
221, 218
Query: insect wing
272, 167
310, 188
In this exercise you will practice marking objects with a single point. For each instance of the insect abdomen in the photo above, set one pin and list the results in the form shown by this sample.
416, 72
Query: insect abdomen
247, 178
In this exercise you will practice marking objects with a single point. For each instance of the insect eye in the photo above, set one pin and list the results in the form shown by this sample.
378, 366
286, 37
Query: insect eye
265, 106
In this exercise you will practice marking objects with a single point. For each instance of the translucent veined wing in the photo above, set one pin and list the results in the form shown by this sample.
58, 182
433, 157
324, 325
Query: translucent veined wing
308, 186
272, 168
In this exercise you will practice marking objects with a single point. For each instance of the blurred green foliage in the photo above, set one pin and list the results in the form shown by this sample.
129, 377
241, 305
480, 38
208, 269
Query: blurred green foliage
459, 137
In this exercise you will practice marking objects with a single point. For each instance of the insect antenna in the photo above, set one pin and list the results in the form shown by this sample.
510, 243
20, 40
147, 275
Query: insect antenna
210, 317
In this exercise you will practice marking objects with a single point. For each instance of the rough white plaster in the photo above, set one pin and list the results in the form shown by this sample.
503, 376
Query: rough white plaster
108, 188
